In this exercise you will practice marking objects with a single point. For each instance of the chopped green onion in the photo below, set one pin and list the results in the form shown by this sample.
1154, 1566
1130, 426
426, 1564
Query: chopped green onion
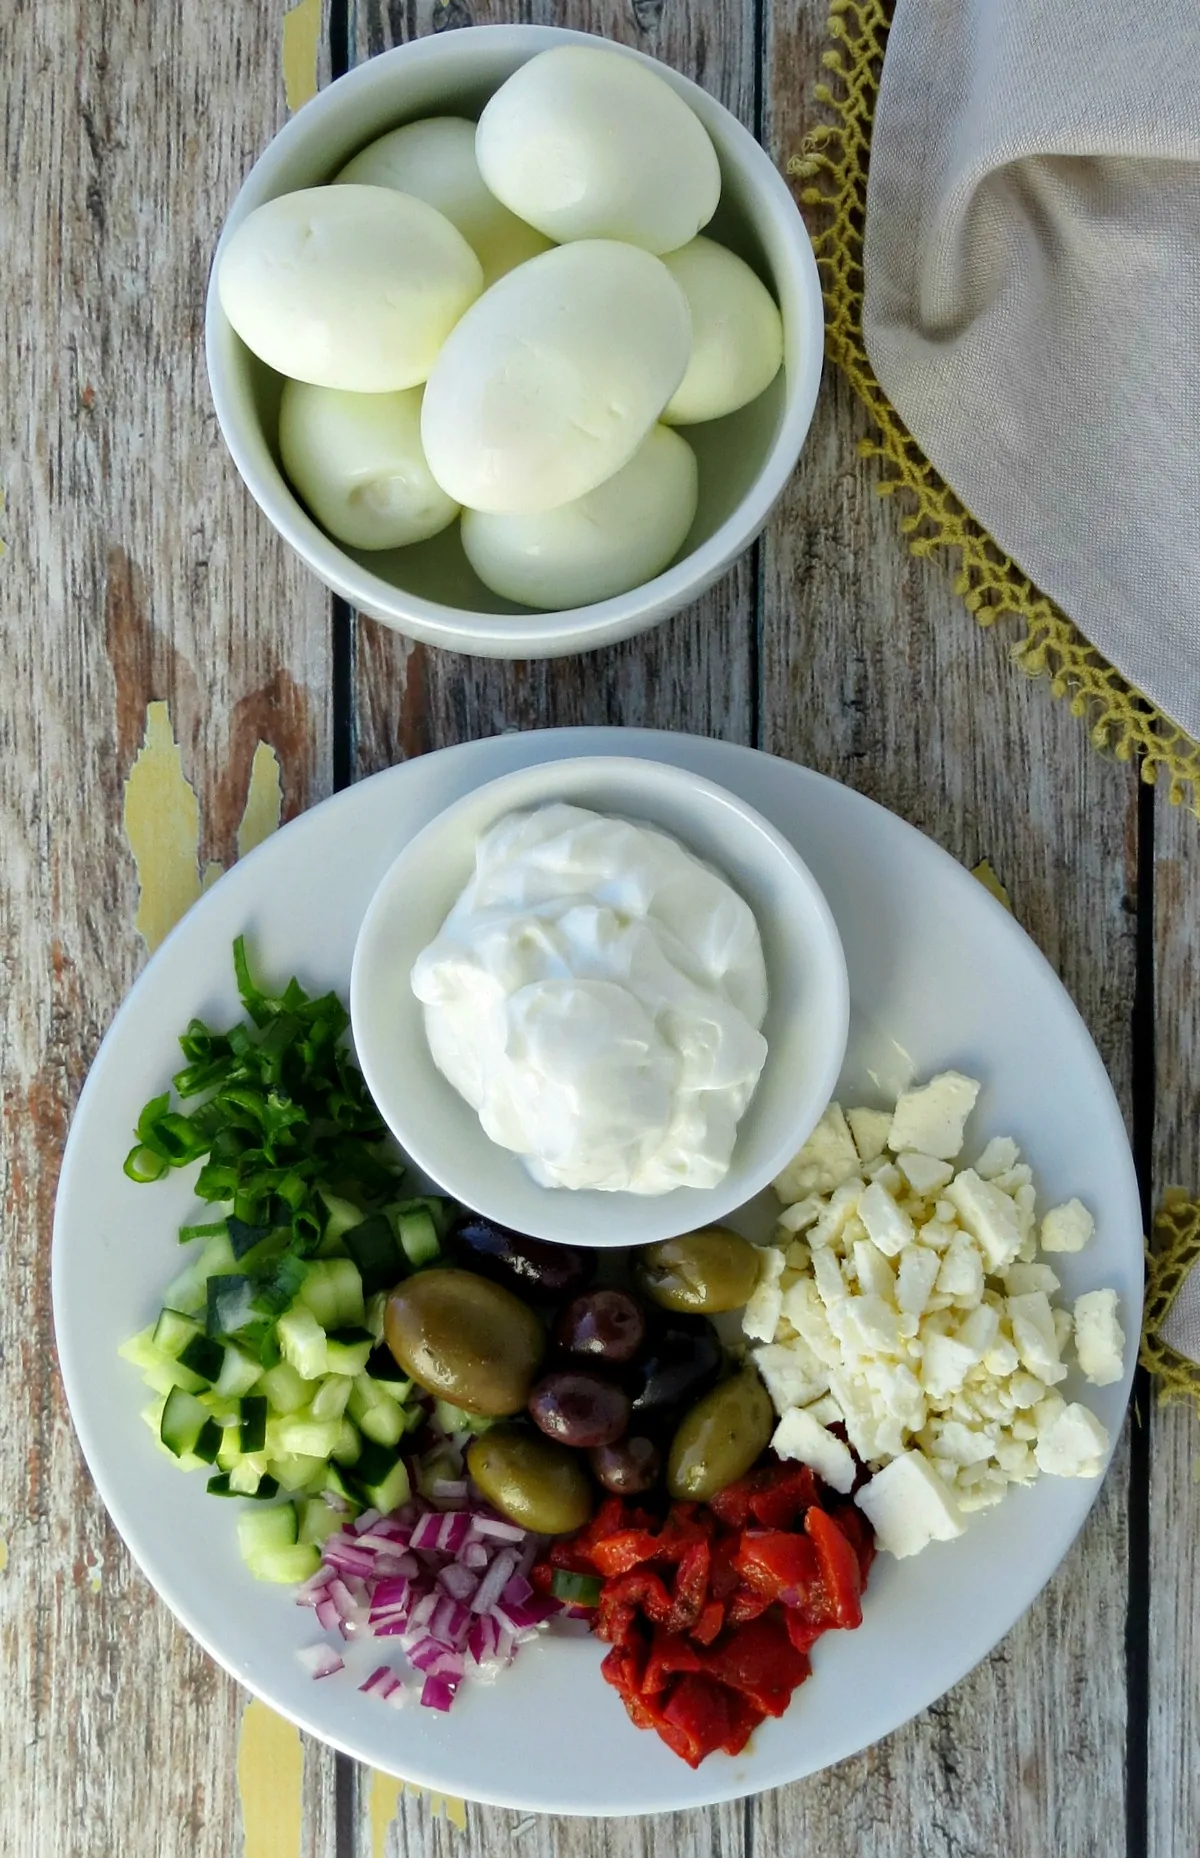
142, 1164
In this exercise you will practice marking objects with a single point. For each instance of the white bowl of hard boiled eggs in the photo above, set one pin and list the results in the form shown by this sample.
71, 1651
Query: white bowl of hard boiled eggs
515, 336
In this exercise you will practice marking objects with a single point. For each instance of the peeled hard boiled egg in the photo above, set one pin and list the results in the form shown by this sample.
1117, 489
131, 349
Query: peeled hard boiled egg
617, 536
591, 144
348, 287
551, 381
357, 462
737, 333
435, 161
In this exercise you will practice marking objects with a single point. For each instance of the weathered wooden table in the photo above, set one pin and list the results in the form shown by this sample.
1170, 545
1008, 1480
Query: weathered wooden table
138, 569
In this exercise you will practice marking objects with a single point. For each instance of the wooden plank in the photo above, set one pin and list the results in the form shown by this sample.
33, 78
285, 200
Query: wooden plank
1174, 1760
137, 569
874, 673
695, 672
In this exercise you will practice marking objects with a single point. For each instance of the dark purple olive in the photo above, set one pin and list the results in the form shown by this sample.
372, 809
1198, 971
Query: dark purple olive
628, 1466
531, 1267
578, 1408
607, 1325
681, 1361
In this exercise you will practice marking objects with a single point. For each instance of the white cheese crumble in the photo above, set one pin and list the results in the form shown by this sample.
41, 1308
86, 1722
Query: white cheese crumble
914, 1313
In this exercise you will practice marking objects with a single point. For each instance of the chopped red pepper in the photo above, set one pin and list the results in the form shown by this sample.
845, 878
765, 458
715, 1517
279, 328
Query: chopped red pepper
711, 1613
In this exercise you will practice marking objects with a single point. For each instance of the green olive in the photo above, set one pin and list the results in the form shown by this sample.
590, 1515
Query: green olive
466, 1340
719, 1439
710, 1270
531, 1480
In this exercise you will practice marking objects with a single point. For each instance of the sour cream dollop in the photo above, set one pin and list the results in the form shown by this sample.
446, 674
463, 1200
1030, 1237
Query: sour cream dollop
596, 994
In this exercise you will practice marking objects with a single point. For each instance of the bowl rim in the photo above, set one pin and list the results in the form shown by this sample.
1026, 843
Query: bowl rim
569, 630
622, 1210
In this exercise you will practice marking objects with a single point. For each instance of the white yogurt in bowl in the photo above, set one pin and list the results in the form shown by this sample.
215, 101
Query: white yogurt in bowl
638, 982
596, 995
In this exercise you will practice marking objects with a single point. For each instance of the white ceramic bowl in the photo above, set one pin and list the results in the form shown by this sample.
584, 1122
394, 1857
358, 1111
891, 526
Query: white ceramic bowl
429, 591
807, 1014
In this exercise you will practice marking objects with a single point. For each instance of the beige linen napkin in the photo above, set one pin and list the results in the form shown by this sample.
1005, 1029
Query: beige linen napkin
1032, 299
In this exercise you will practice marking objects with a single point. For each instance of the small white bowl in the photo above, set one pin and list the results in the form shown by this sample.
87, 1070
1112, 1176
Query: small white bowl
807, 1014
430, 592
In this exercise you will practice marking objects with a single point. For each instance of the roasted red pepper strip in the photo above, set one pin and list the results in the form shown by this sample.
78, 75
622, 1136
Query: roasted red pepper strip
691, 1587
840, 1572
778, 1564
709, 1623
670, 1655
624, 1550
783, 1494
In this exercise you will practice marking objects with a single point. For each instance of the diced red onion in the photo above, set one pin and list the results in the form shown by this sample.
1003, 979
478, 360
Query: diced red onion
494, 1582
495, 1528
449, 1489
321, 1660
475, 1556
437, 1693
396, 1590
328, 1617
458, 1580
366, 1521
381, 1681
516, 1590
314, 1587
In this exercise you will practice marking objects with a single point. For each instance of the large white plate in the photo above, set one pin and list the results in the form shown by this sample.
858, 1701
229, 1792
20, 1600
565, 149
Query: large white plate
939, 974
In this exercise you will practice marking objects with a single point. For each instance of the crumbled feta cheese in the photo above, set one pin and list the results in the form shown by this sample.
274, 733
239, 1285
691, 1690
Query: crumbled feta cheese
925, 1174
1074, 1444
989, 1216
888, 1225
827, 1274
791, 1373
919, 1269
825, 1411
823, 1163
798, 1435
874, 1273
961, 1273
908, 1505
761, 1315
1002, 1359
932, 1118
1014, 1178
979, 1330
1034, 1334
1067, 1228
1020, 1278
872, 1323
870, 1129
1099, 1337
937, 1234
797, 1218
886, 1174
1026, 1389
1015, 1458
944, 1365
962, 1444
1063, 1327
998, 1157
805, 1311
838, 1210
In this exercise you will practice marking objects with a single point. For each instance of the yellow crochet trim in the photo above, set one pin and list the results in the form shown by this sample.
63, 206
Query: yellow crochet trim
834, 161
1173, 1252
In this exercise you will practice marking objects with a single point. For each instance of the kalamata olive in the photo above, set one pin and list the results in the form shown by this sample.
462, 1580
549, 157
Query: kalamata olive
627, 1466
534, 1482
606, 1325
578, 1408
532, 1267
681, 1360
464, 1339
719, 1439
709, 1270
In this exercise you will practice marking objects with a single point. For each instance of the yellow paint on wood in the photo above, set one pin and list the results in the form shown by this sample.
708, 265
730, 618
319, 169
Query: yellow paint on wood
383, 1800
264, 800
162, 824
991, 883
450, 1808
270, 1783
3, 1554
301, 37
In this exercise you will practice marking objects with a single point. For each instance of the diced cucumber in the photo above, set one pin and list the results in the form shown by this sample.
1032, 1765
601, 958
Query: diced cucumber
338, 1486
152, 1415
140, 1349
373, 1247
383, 1366
302, 1341
329, 1401
332, 1290
317, 1521
165, 1375
300, 1432
238, 1373
349, 1443
183, 1420
220, 1486
247, 1474
173, 1332
260, 1531
371, 1388
208, 1444
347, 1351
252, 1424
433, 1470
298, 1471
286, 1390
441, 1211
417, 1232
382, 1478
204, 1357
383, 1423
287, 1565
187, 1291
340, 1215
373, 1315
452, 1419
